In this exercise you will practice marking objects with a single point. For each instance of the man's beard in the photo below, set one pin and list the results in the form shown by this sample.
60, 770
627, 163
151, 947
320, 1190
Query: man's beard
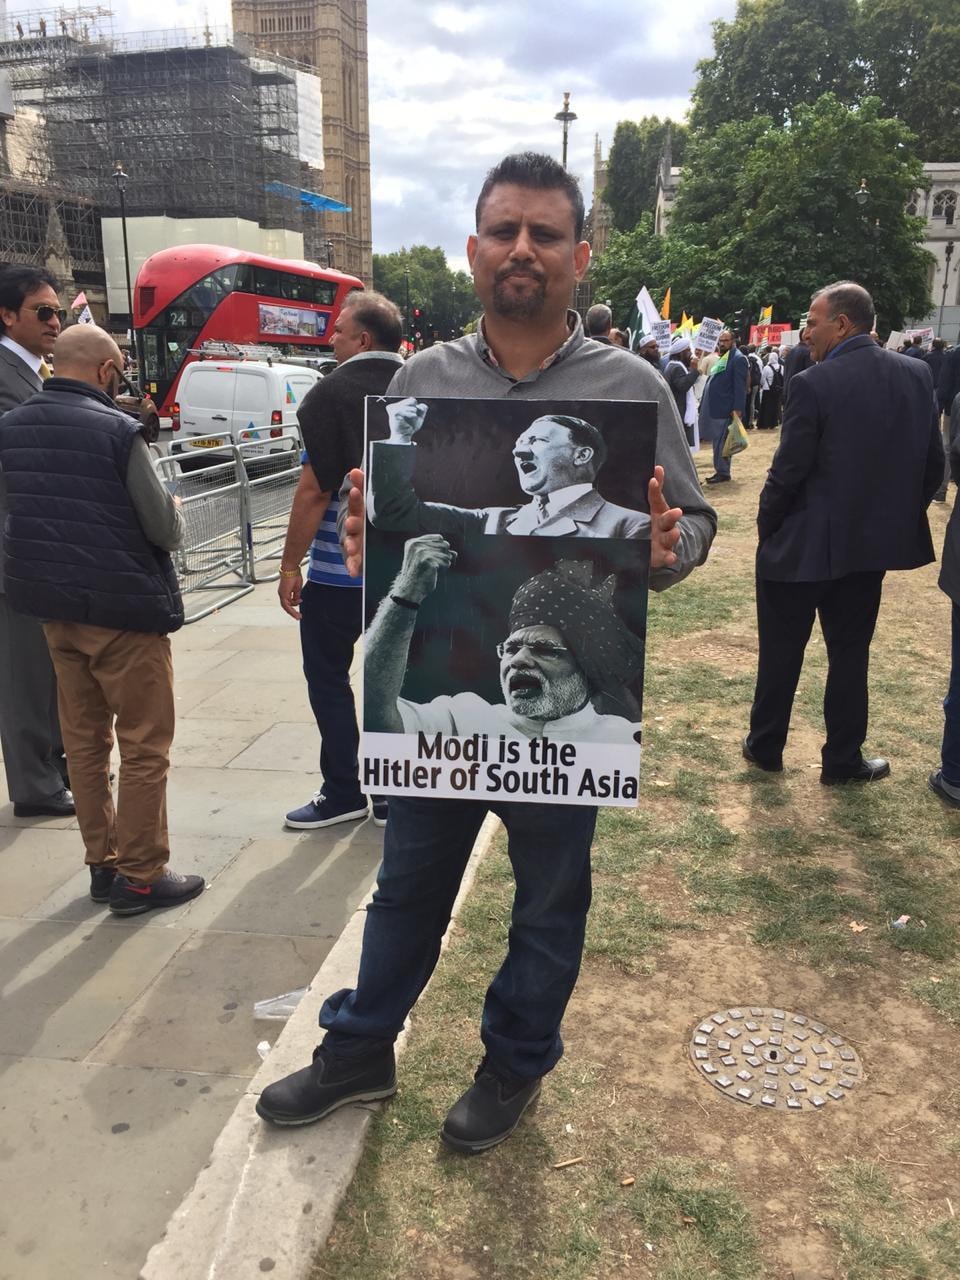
558, 697
518, 306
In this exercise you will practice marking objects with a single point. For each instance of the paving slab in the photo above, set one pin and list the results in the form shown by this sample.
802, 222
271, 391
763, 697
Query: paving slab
197, 1014
237, 700
262, 665
212, 635
284, 637
308, 888
292, 745
35, 861
206, 741
196, 664
67, 984
101, 1157
235, 801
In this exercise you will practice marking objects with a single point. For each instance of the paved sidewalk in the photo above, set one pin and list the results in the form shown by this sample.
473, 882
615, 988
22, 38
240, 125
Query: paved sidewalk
125, 1045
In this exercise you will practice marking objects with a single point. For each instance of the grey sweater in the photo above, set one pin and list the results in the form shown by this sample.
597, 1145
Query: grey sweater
580, 370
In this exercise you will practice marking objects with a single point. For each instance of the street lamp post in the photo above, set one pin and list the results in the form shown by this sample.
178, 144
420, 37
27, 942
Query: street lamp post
120, 178
328, 250
947, 255
406, 309
566, 117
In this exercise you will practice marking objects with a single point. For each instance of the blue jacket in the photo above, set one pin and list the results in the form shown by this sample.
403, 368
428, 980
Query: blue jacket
74, 548
726, 392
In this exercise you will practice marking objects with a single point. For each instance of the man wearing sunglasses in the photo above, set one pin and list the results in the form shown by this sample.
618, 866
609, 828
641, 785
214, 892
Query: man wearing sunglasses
30, 315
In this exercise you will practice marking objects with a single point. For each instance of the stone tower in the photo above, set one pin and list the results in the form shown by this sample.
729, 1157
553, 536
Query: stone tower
330, 38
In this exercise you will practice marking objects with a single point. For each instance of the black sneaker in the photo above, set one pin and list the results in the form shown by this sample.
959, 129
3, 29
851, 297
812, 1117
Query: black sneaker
101, 882
328, 1083
127, 898
488, 1112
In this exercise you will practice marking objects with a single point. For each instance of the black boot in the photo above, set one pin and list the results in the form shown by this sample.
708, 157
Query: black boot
328, 1083
488, 1112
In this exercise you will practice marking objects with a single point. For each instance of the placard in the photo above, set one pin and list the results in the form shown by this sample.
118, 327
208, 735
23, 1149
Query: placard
706, 337
505, 598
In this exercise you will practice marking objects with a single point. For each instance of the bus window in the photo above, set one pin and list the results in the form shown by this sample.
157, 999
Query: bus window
324, 292
296, 288
266, 282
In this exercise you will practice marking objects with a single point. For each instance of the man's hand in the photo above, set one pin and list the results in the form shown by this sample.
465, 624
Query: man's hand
406, 417
423, 557
352, 545
664, 534
288, 589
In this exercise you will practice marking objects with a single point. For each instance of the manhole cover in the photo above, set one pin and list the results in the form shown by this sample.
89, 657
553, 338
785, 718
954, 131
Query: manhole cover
774, 1058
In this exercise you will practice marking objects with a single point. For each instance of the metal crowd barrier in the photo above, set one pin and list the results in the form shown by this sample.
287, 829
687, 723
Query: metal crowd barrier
236, 507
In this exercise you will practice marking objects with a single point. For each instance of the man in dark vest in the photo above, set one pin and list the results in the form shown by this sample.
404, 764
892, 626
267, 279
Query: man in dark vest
86, 545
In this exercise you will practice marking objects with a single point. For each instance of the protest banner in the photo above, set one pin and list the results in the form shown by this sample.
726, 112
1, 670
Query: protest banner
661, 331
769, 334
505, 597
925, 335
707, 335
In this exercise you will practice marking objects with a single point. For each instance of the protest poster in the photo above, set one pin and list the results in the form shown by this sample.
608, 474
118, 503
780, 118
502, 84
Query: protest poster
768, 334
661, 331
506, 559
707, 335
925, 335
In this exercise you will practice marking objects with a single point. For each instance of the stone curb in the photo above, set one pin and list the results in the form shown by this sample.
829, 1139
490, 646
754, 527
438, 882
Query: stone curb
265, 1201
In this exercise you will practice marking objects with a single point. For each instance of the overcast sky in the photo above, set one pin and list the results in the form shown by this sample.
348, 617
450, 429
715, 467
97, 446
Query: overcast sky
455, 86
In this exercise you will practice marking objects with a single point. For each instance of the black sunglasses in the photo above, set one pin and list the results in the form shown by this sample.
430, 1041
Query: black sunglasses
45, 312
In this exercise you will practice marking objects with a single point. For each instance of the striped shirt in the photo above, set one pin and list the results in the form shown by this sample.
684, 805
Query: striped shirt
325, 565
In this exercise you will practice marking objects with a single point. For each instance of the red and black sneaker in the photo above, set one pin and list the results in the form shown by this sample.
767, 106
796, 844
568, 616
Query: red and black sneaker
127, 898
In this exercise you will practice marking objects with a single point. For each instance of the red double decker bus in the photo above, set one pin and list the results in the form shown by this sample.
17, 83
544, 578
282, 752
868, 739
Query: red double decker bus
186, 295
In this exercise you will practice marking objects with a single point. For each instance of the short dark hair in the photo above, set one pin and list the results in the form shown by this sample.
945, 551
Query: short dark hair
378, 315
543, 173
847, 298
598, 319
583, 433
17, 282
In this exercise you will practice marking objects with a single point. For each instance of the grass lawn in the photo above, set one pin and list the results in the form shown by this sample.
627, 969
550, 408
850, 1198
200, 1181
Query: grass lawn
727, 887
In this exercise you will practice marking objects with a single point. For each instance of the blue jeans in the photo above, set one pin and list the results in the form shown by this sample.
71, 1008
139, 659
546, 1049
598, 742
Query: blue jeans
425, 851
950, 750
330, 622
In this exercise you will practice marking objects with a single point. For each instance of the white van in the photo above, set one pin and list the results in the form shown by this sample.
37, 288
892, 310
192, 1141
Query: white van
238, 401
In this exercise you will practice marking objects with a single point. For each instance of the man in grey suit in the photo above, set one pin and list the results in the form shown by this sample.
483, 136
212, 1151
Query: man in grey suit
31, 316
557, 459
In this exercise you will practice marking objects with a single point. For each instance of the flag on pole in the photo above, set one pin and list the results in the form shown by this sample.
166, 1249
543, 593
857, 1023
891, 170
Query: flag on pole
85, 316
643, 316
686, 324
665, 309
79, 301
766, 315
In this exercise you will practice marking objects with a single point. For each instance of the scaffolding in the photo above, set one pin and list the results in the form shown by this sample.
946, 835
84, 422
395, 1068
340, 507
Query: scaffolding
202, 128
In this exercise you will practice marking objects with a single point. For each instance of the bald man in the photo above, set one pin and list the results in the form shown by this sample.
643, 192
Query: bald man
87, 547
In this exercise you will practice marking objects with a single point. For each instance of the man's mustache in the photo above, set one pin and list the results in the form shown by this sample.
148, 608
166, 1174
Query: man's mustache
504, 272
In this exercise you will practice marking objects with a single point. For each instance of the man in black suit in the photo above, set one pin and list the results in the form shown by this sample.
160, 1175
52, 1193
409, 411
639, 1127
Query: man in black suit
844, 501
30, 320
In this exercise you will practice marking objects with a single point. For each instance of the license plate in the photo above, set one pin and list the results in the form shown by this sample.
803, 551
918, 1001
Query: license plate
206, 444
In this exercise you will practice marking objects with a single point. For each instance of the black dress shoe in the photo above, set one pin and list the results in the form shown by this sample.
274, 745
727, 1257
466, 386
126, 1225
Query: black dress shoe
59, 806
869, 771
936, 783
718, 479
767, 766
101, 882
328, 1083
488, 1112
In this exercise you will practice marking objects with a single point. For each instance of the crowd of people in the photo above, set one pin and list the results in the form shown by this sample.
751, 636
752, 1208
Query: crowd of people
90, 586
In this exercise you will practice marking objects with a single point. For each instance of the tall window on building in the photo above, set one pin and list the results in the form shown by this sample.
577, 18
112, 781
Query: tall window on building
945, 206
913, 204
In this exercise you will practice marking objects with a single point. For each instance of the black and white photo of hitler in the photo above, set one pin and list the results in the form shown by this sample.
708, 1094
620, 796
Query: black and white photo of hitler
566, 663
540, 469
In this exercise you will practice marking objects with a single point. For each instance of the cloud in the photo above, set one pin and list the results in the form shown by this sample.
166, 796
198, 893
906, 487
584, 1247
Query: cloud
456, 84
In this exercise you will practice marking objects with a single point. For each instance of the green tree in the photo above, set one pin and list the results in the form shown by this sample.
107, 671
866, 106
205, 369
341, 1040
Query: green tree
776, 55
769, 214
911, 51
633, 163
445, 297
